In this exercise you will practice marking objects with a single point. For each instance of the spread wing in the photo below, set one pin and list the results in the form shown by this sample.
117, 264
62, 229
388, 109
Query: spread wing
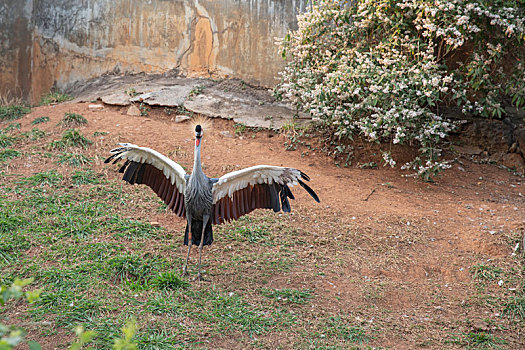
146, 166
262, 186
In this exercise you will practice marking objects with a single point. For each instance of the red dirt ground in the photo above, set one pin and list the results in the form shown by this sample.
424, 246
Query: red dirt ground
396, 243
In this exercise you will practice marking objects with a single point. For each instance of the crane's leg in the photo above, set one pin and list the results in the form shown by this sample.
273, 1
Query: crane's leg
205, 219
185, 268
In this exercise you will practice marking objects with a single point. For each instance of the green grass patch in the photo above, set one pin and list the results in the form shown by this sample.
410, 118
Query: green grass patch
70, 138
514, 307
13, 112
54, 97
340, 328
6, 154
48, 178
40, 120
72, 120
85, 177
478, 341
485, 272
6, 140
169, 281
74, 159
230, 311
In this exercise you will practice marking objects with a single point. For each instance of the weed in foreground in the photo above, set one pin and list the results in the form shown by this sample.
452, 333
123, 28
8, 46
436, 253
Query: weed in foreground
288, 295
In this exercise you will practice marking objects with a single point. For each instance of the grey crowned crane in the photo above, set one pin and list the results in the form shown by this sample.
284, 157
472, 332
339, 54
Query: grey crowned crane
205, 201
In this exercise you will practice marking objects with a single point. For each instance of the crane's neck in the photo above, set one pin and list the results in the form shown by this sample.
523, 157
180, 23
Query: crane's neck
197, 167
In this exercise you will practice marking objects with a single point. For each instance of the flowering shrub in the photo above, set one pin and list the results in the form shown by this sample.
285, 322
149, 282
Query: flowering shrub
383, 68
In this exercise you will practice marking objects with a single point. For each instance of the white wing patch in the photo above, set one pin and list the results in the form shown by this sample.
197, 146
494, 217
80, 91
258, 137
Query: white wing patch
173, 171
259, 174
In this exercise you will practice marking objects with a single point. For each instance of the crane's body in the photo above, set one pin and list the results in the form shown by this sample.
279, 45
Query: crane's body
204, 201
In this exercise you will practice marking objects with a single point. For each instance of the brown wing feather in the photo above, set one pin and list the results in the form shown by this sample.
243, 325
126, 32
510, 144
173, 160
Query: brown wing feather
147, 174
243, 202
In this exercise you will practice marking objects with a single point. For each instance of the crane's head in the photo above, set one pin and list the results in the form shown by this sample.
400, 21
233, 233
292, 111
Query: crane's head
198, 135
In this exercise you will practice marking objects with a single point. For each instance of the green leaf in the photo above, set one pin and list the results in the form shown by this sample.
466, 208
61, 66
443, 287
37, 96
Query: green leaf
33, 345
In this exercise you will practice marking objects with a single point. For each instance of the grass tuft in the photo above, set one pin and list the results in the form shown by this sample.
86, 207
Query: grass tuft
13, 112
34, 134
514, 307
338, 327
485, 272
85, 177
40, 120
48, 178
7, 154
74, 159
70, 138
169, 281
71, 120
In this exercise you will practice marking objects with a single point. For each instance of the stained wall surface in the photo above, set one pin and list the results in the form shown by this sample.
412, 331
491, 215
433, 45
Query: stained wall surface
57, 42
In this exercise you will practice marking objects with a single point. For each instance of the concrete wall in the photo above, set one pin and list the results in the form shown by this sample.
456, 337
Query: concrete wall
57, 42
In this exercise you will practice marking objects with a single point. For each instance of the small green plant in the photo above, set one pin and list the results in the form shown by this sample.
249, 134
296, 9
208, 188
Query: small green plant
70, 138
132, 92
84, 337
54, 97
40, 120
74, 159
7, 154
13, 112
196, 90
73, 119
239, 128
144, 109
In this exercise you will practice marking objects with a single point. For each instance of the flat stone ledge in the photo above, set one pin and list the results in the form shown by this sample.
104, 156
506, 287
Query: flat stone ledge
227, 99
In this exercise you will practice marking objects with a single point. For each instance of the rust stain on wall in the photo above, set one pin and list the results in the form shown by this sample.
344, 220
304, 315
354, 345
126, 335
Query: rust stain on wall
62, 43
